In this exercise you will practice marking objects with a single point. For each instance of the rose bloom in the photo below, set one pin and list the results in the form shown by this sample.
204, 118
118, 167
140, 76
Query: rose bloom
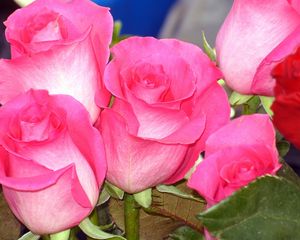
52, 161
61, 46
286, 106
235, 155
167, 102
254, 37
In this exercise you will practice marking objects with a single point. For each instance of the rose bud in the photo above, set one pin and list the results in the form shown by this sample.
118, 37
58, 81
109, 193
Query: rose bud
52, 161
255, 35
61, 46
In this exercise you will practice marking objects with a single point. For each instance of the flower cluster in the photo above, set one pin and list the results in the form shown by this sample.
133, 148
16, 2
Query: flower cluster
70, 118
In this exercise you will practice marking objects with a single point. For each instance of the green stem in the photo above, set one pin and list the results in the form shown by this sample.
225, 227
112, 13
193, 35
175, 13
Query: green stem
46, 237
132, 215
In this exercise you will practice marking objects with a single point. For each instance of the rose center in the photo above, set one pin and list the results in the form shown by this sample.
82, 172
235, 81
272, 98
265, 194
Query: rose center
238, 172
35, 123
148, 82
46, 26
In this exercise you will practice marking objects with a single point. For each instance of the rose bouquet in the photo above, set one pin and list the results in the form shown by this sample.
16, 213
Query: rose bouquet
78, 127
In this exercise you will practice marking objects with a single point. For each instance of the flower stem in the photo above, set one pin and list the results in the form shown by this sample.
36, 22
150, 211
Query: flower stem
132, 215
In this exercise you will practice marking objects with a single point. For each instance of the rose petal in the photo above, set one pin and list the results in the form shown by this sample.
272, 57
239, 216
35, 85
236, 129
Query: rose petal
263, 82
250, 32
144, 51
67, 209
206, 71
245, 130
57, 71
132, 158
205, 180
217, 115
86, 138
74, 17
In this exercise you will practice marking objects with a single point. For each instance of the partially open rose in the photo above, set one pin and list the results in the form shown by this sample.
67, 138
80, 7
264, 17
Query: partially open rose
256, 35
61, 46
235, 155
167, 102
52, 161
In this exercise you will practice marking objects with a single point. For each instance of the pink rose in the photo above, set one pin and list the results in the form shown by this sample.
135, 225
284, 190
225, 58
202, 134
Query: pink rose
254, 37
52, 160
61, 46
167, 102
235, 155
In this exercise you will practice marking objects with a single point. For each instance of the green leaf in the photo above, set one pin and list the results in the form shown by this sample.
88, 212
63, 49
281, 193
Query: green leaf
283, 147
251, 106
186, 233
267, 103
114, 191
288, 173
177, 192
29, 236
144, 198
104, 197
210, 52
63, 235
116, 32
267, 209
95, 232
238, 99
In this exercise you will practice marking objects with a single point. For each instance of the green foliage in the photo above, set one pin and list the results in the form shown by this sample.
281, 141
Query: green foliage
210, 52
144, 198
113, 191
29, 236
238, 99
104, 197
288, 173
117, 37
186, 233
64, 235
283, 147
267, 103
95, 232
177, 192
267, 209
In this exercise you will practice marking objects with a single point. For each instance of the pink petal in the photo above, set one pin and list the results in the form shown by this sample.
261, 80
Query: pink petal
78, 14
57, 71
205, 180
250, 32
217, 115
263, 82
204, 69
295, 4
136, 51
86, 138
156, 122
245, 130
51, 209
130, 158
82, 147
